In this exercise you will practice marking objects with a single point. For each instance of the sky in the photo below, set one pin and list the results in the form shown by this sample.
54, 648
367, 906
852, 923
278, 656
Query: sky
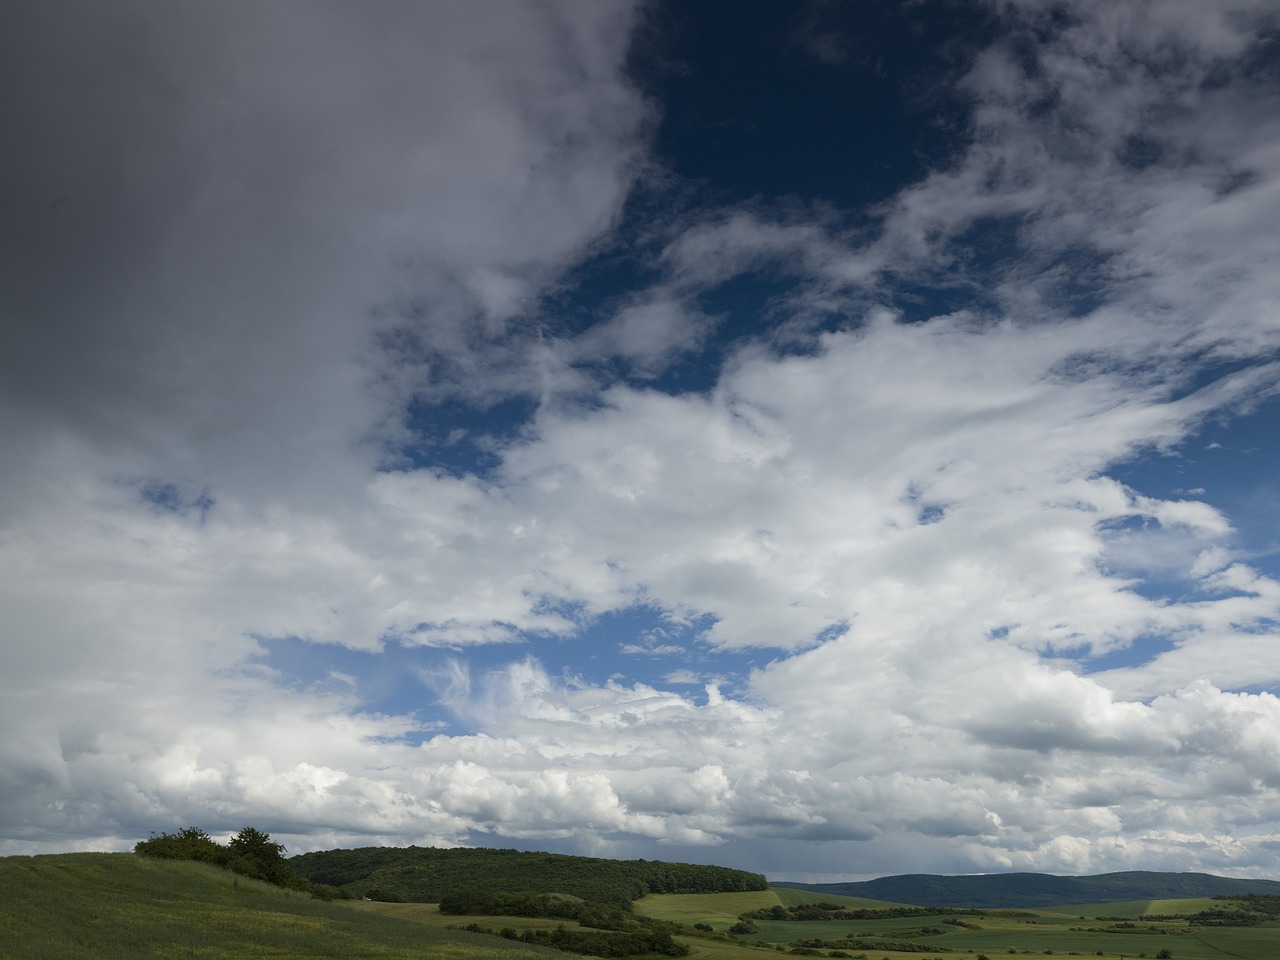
828, 439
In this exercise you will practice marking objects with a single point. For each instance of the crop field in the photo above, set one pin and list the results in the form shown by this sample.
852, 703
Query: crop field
791, 897
1132, 909
1190, 905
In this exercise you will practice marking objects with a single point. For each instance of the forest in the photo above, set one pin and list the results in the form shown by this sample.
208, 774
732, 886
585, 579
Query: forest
428, 874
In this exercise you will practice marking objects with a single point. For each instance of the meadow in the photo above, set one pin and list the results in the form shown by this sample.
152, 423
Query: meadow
118, 906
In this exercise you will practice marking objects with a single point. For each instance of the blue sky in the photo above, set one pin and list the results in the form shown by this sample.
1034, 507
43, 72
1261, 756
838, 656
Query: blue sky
831, 439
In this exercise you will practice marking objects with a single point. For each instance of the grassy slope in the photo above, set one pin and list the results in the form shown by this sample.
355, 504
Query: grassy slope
116, 906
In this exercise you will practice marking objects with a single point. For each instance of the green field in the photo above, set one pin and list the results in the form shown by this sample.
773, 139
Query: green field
790, 896
721, 910
118, 906
1132, 909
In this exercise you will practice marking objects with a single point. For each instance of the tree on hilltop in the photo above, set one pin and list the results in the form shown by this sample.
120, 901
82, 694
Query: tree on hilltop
254, 854
250, 853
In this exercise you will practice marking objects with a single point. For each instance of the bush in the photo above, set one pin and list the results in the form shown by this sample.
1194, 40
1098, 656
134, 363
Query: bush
191, 843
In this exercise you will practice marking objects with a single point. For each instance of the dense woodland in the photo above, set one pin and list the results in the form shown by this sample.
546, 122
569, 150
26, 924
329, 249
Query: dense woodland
428, 874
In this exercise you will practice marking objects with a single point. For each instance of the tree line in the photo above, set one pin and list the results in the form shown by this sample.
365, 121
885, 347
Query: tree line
834, 911
1249, 910
613, 932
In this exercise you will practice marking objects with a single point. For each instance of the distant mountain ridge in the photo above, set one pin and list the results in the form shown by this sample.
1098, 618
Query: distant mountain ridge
1039, 889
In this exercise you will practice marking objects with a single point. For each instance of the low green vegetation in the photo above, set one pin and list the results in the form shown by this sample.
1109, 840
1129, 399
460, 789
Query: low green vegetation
118, 906
720, 910
790, 896
811, 924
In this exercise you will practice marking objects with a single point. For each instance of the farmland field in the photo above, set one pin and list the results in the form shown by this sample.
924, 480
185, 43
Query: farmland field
790, 896
1058, 932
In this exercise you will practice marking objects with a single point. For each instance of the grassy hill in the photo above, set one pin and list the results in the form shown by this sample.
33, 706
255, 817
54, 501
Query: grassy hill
118, 906
1027, 890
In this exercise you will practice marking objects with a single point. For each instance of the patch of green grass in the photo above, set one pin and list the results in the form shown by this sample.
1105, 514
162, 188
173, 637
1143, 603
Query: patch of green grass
1131, 909
792, 896
712, 908
1186, 905
119, 906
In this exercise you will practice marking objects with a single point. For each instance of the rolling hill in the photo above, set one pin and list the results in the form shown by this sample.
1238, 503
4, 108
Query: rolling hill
1029, 890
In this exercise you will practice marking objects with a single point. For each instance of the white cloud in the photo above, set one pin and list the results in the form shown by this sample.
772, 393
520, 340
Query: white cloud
647, 334
914, 520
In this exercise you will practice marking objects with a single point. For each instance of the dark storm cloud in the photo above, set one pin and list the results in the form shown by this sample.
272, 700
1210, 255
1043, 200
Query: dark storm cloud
205, 203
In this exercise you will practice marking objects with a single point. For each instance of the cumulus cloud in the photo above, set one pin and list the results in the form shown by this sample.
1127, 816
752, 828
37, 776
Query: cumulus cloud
965, 643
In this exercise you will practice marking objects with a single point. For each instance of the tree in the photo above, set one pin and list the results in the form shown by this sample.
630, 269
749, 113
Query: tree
254, 854
190, 843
